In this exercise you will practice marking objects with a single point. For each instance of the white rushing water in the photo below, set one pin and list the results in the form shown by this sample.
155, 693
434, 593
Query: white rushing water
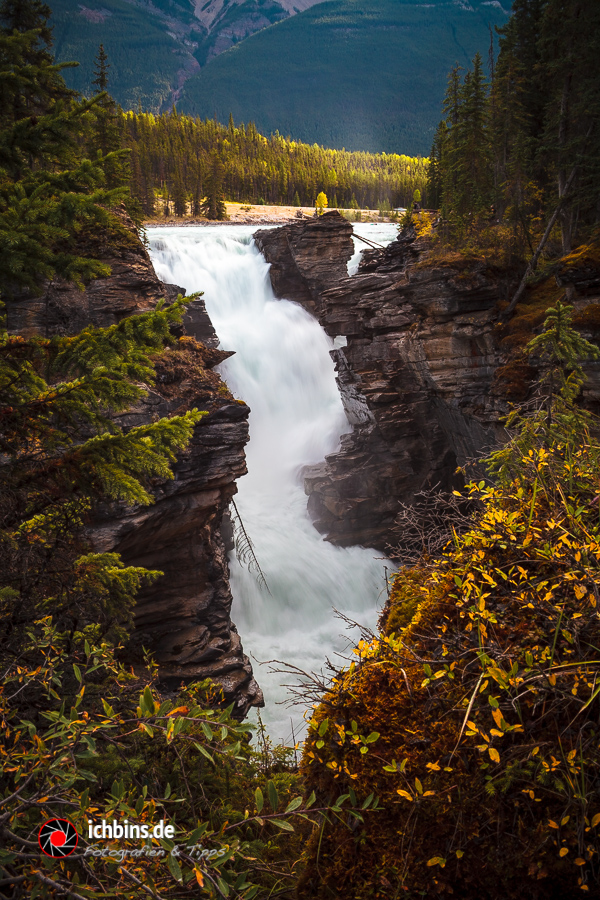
283, 370
378, 233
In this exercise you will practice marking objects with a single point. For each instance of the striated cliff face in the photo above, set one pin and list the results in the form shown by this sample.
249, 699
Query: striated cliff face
307, 256
184, 617
428, 369
416, 375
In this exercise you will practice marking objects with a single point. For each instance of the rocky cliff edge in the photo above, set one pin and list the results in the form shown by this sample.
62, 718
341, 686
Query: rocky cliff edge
425, 372
184, 617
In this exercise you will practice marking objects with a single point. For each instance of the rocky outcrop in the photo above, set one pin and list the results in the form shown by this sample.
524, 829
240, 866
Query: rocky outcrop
416, 374
428, 369
307, 256
184, 617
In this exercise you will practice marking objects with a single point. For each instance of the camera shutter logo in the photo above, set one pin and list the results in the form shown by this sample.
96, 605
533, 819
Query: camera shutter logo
57, 838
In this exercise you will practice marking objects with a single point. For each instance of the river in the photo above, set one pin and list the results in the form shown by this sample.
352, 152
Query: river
283, 370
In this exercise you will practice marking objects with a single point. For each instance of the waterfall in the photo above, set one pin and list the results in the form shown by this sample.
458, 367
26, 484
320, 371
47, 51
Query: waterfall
283, 370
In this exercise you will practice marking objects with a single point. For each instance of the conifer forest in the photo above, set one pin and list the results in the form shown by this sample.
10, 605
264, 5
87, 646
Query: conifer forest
171, 158
455, 752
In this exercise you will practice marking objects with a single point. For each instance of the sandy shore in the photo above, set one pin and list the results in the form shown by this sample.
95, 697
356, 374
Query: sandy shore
244, 214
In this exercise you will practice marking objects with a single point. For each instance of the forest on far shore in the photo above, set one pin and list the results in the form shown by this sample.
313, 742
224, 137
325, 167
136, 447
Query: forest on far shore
171, 157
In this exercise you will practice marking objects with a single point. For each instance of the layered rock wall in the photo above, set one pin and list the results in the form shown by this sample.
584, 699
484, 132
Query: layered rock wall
184, 617
416, 374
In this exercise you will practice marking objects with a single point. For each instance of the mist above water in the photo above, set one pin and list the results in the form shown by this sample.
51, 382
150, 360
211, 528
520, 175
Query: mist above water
283, 370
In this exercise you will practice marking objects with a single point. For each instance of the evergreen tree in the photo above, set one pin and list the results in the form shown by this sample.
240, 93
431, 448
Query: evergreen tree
213, 206
64, 453
48, 191
296, 200
29, 15
449, 159
531, 147
106, 133
197, 198
561, 350
509, 127
473, 151
434, 171
569, 53
30, 80
101, 70
465, 152
179, 196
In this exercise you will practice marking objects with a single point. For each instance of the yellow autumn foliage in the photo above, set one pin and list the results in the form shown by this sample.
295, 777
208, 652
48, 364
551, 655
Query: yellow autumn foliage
484, 689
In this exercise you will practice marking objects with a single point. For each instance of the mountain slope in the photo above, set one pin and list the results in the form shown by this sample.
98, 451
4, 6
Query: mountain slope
155, 45
149, 54
361, 74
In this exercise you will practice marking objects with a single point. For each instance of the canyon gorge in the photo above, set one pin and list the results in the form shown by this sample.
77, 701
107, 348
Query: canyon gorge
421, 363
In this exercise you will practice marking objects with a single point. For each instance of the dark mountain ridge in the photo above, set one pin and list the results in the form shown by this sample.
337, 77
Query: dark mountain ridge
358, 74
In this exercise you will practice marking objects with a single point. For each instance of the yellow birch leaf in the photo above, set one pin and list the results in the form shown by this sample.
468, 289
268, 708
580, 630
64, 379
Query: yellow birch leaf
494, 755
596, 820
460, 854
404, 794
498, 717
552, 824
199, 876
579, 861
563, 851
180, 709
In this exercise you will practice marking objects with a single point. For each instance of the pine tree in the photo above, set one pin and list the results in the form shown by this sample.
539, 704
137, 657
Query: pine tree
434, 171
560, 350
106, 136
531, 147
473, 151
516, 117
64, 452
179, 196
213, 206
569, 53
101, 72
49, 192
29, 15
26, 41
449, 158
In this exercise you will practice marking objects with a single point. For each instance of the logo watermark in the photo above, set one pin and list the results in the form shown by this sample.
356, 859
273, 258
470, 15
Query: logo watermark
129, 830
126, 830
57, 838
